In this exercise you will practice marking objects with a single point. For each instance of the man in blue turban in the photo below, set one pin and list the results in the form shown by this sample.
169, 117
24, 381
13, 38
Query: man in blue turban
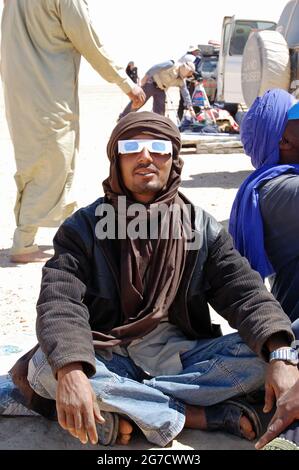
264, 223
264, 219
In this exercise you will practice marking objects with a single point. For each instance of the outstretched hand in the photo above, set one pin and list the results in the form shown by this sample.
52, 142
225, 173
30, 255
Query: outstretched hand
76, 404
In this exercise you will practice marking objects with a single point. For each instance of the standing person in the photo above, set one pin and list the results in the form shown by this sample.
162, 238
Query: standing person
132, 72
42, 44
192, 55
123, 319
264, 219
158, 79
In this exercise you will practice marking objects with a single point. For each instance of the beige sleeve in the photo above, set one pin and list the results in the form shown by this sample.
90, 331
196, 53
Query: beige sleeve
77, 25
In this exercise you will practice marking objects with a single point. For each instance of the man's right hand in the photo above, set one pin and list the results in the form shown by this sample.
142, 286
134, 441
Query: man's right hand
76, 404
137, 96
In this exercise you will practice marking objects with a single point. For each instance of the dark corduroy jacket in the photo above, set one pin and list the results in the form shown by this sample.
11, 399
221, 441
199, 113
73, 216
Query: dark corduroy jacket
79, 292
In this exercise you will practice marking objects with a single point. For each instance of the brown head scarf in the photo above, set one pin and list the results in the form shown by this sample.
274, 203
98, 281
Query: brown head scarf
150, 270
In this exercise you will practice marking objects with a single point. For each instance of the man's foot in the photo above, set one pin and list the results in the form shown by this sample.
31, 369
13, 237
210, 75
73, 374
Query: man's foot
35, 257
116, 429
247, 428
125, 430
198, 418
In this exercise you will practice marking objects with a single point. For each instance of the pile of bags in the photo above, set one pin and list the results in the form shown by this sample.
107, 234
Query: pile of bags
209, 121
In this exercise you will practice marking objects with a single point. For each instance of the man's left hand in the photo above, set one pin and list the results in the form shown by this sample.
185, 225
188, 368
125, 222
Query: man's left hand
287, 411
280, 377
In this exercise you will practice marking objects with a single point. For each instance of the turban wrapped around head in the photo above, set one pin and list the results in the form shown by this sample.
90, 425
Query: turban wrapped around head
263, 127
155, 125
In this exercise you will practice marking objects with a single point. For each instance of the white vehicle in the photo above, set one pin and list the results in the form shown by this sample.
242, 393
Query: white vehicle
271, 58
235, 33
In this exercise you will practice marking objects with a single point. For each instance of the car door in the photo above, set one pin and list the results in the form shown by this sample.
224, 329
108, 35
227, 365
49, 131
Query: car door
227, 27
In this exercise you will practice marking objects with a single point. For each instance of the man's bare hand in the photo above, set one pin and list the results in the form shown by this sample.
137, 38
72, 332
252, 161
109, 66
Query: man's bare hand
76, 404
287, 412
280, 377
137, 96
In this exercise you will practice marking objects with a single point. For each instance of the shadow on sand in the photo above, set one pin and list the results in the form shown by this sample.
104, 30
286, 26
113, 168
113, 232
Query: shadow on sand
221, 179
5, 256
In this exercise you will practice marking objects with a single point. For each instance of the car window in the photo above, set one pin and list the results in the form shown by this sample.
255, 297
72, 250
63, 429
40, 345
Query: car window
209, 65
242, 31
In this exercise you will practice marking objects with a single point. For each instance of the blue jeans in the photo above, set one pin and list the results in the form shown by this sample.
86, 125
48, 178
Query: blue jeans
213, 371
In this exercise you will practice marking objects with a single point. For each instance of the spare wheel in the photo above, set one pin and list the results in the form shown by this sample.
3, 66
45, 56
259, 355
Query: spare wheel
266, 64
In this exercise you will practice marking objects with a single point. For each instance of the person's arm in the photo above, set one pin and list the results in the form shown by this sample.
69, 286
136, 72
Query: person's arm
187, 99
64, 333
78, 28
280, 376
238, 294
76, 404
62, 324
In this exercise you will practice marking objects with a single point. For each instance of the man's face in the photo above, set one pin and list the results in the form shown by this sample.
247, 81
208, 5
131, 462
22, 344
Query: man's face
145, 173
289, 146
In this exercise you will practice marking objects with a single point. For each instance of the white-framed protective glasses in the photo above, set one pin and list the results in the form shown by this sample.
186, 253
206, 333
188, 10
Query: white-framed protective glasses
137, 145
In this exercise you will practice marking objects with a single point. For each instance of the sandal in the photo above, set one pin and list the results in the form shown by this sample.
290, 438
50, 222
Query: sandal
108, 431
226, 417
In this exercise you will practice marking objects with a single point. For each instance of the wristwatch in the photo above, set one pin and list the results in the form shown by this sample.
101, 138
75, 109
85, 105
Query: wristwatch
286, 354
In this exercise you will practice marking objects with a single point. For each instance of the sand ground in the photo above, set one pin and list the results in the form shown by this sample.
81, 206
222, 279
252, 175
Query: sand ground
210, 181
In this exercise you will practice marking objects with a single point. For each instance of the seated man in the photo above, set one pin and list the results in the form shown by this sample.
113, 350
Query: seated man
264, 219
123, 320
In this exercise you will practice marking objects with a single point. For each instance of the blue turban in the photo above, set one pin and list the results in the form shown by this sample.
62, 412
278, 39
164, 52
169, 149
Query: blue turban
261, 131
263, 127
293, 113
